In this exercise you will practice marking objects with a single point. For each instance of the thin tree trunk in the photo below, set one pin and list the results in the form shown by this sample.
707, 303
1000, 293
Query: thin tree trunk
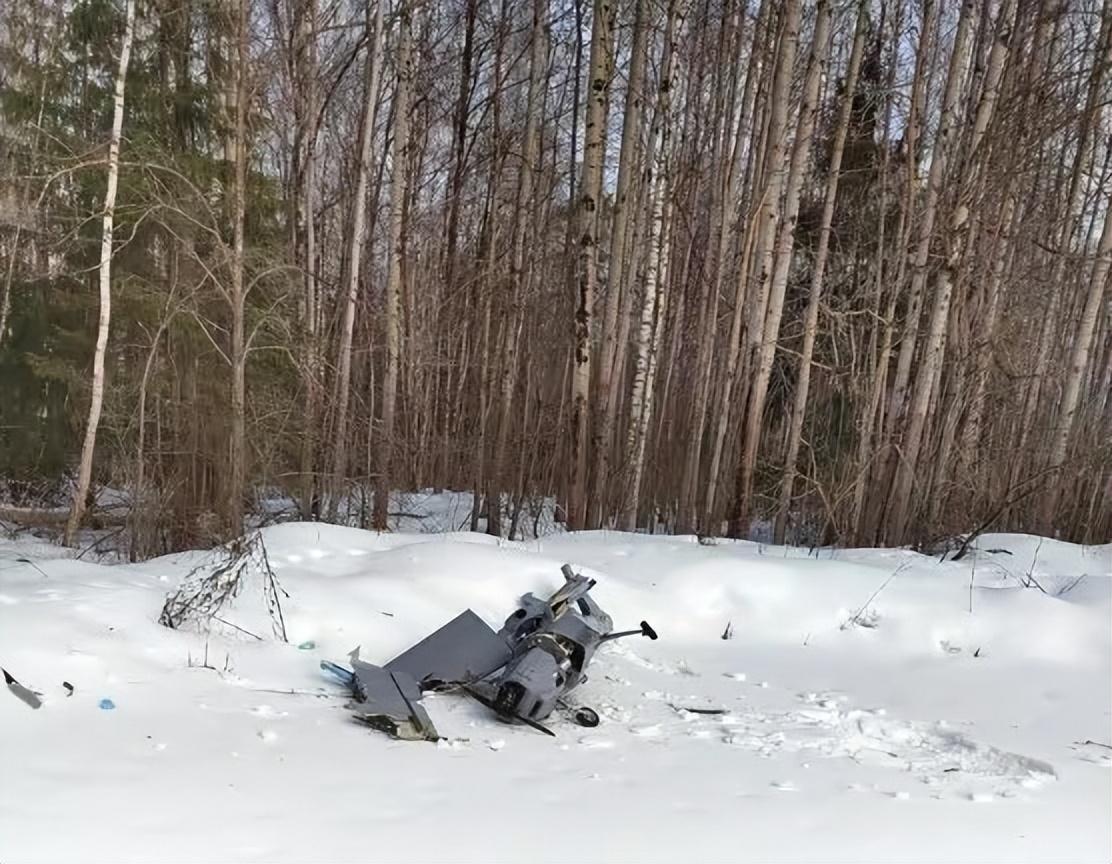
594, 153
811, 316
398, 192
745, 142
971, 432
459, 144
1090, 119
627, 159
6, 300
305, 71
520, 272
930, 365
238, 457
653, 306
1078, 363
85, 471
356, 240
926, 225
774, 260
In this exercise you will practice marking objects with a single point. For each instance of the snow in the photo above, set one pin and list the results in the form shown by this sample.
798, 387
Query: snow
866, 713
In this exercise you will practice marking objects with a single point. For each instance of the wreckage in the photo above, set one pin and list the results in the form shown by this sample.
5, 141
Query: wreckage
522, 672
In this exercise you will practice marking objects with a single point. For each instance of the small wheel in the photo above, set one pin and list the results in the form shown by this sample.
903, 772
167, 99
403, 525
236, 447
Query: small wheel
586, 717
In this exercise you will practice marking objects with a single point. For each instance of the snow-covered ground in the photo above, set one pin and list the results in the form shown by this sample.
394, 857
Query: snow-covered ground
860, 725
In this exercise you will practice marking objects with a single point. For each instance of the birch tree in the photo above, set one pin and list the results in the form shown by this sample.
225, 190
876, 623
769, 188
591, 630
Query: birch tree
627, 158
104, 320
1075, 372
599, 74
775, 261
930, 365
655, 288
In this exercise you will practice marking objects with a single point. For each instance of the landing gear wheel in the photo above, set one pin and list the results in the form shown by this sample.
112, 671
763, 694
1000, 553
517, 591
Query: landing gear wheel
586, 717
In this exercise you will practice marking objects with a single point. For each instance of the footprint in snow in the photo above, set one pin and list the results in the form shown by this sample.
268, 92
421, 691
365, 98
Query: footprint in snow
269, 736
652, 731
784, 786
593, 743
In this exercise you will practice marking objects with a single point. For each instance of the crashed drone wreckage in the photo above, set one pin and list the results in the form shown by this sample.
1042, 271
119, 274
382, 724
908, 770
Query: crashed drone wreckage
523, 672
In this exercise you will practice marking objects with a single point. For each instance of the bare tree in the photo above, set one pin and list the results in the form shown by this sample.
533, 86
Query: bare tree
655, 288
627, 159
811, 315
384, 446
599, 74
85, 471
356, 240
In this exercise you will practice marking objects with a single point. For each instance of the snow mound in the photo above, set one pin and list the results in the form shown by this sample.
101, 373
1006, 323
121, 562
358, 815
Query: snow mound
856, 688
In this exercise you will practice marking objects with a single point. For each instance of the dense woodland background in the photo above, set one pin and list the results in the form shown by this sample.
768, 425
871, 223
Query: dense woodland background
686, 265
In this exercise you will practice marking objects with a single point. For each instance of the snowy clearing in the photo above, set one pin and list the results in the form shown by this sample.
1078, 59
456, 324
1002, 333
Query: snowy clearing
898, 728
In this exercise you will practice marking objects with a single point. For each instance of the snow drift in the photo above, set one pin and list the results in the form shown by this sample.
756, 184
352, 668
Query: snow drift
868, 699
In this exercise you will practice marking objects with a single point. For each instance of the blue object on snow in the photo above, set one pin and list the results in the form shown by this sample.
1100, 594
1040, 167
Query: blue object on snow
339, 672
106, 704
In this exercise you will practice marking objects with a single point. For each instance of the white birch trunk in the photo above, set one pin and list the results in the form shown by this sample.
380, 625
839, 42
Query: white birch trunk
656, 282
930, 365
85, 470
627, 159
1079, 361
594, 153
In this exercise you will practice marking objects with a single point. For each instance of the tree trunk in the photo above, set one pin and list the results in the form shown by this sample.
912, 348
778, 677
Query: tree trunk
520, 272
971, 431
594, 153
85, 471
653, 306
356, 241
304, 71
773, 261
926, 225
746, 146
930, 365
398, 192
238, 455
6, 300
1090, 119
811, 316
1079, 361
627, 159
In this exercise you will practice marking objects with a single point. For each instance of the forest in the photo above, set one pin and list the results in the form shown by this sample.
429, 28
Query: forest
837, 268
